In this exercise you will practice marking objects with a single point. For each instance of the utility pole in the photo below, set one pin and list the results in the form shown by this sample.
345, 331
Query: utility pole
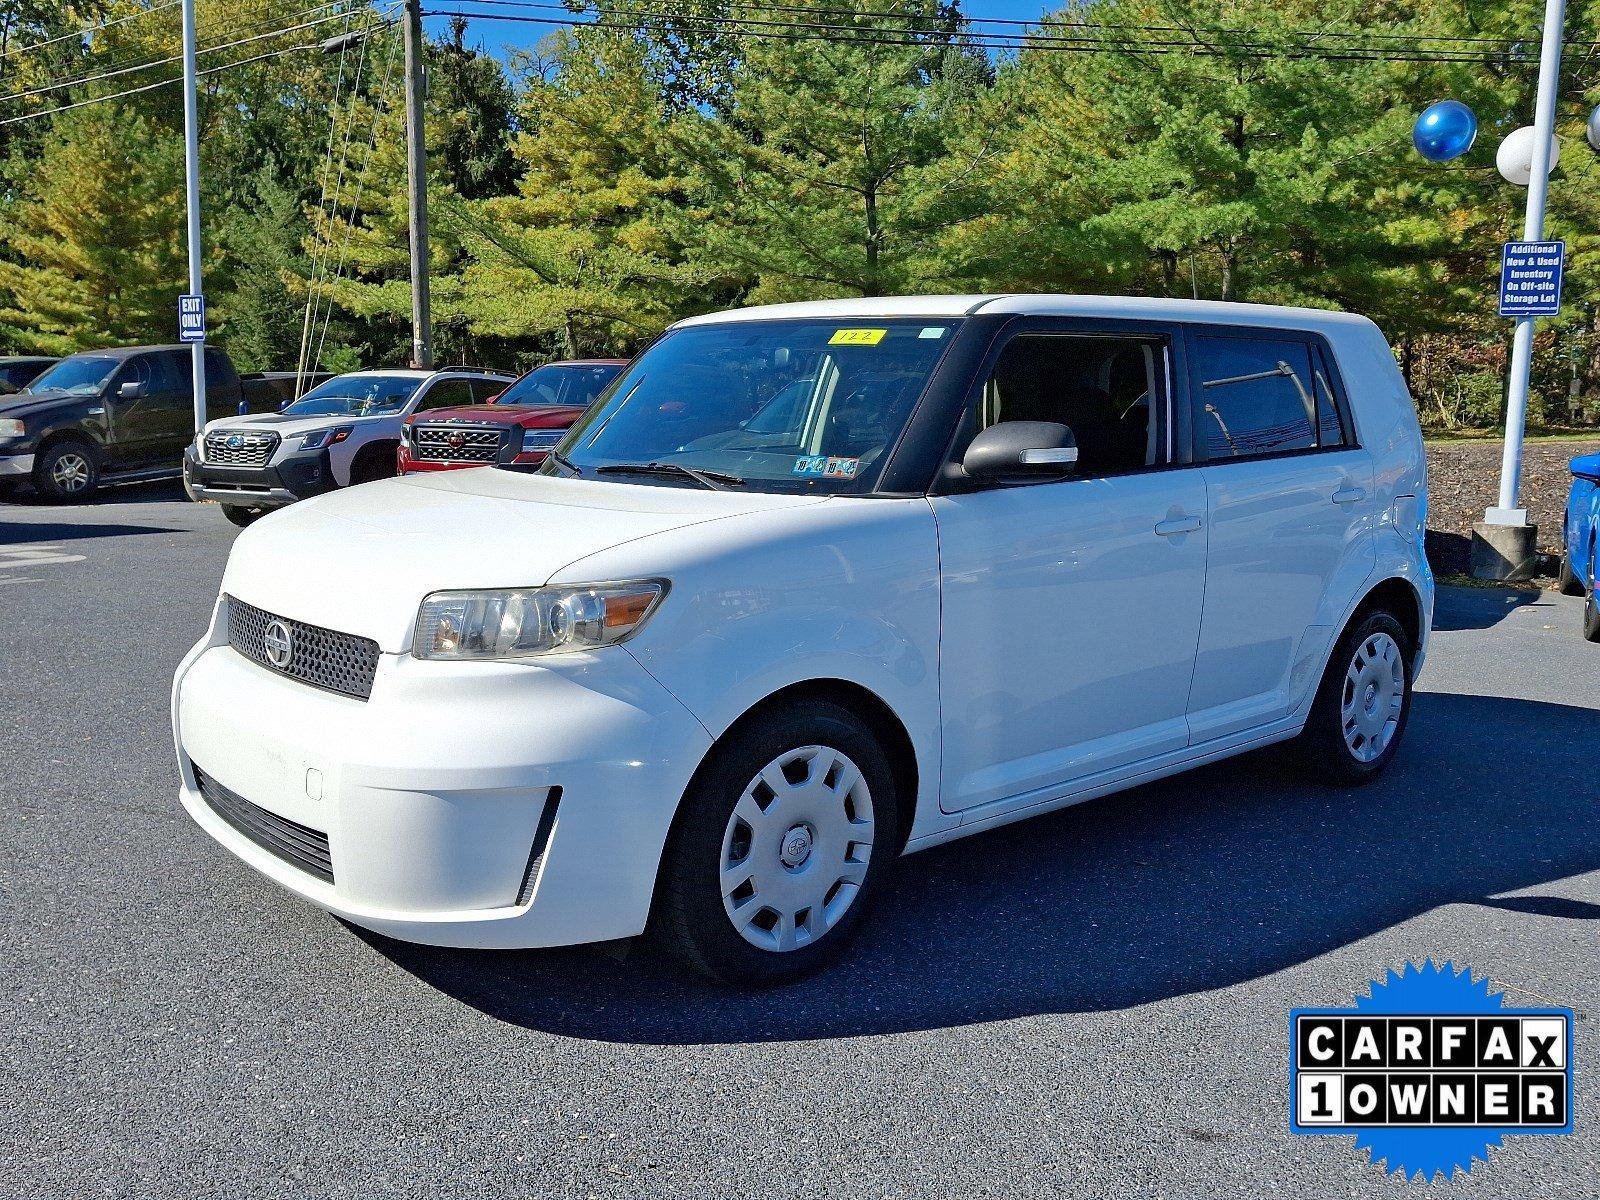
1507, 515
191, 190
417, 185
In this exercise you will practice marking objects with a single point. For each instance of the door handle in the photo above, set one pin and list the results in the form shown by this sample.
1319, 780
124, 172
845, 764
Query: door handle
1177, 525
1349, 495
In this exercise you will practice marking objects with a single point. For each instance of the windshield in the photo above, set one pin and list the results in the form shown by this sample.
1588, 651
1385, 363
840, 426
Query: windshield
789, 406
83, 376
356, 396
560, 384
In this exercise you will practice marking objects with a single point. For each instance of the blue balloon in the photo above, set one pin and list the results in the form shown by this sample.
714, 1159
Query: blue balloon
1444, 131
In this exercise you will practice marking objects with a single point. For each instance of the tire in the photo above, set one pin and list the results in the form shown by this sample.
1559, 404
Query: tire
1567, 582
67, 472
1591, 603
793, 866
1344, 739
240, 515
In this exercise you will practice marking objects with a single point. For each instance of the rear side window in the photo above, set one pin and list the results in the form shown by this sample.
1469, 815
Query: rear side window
1258, 396
446, 393
484, 390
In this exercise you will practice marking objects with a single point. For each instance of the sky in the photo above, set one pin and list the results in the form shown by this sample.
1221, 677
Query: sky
498, 37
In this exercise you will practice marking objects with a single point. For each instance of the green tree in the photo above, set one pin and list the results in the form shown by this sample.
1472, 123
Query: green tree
94, 234
812, 172
588, 255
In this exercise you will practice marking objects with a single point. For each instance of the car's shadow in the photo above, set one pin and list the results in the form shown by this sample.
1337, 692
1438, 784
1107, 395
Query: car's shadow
1197, 882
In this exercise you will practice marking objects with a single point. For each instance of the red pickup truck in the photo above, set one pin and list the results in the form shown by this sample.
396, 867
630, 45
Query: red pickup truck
514, 429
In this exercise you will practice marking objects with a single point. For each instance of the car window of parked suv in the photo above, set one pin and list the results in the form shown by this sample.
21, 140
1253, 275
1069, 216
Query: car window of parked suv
1105, 389
446, 393
1260, 396
356, 395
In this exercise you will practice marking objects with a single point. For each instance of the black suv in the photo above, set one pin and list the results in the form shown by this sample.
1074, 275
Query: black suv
109, 415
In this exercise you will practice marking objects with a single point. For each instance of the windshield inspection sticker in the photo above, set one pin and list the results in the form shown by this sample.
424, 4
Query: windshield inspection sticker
857, 337
1430, 1071
825, 466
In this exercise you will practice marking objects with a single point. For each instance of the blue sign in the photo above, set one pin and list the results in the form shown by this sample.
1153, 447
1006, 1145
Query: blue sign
1530, 278
191, 318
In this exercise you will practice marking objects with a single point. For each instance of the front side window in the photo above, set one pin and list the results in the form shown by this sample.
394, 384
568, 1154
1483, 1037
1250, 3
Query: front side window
791, 406
82, 375
1260, 396
1105, 389
356, 395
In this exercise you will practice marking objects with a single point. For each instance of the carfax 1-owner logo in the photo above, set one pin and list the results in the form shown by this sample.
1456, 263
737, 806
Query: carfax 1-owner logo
1430, 1071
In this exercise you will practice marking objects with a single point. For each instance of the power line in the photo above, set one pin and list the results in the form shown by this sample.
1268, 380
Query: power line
160, 83
642, 20
1091, 33
80, 34
42, 89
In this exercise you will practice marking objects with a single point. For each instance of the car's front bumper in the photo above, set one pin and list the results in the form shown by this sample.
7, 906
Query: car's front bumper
431, 793
16, 466
291, 478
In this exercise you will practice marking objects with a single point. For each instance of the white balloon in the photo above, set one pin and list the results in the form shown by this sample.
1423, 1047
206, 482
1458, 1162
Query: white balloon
1514, 159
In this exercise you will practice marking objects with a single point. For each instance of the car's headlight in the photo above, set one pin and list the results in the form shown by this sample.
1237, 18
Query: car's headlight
534, 440
526, 622
318, 438
11, 428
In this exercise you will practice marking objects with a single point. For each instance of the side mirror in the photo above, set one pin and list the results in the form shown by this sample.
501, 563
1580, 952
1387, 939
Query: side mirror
1011, 450
130, 390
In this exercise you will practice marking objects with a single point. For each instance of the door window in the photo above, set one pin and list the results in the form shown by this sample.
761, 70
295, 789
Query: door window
1258, 396
1105, 389
136, 370
484, 390
446, 393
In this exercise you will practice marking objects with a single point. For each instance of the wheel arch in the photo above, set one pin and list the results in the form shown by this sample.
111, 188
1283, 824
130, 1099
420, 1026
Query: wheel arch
1398, 596
379, 450
873, 712
69, 433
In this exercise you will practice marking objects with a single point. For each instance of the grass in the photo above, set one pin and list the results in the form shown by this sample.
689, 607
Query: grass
1468, 581
1435, 437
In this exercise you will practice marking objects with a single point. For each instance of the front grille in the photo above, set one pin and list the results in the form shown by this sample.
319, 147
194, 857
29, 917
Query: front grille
456, 443
245, 448
297, 844
323, 658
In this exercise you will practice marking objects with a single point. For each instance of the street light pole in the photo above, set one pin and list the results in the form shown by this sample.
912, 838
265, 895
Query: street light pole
191, 191
417, 186
1507, 512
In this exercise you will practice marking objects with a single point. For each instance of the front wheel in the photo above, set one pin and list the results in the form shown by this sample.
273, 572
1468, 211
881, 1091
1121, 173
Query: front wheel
783, 837
66, 472
1362, 703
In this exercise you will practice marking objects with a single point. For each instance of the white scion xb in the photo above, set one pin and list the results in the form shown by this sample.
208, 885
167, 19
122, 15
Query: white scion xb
810, 587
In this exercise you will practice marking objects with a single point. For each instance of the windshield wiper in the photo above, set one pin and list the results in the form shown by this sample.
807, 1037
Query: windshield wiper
563, 461
717, 481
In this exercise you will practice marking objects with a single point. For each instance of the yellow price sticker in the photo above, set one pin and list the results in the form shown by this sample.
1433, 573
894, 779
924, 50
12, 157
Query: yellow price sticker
857, 337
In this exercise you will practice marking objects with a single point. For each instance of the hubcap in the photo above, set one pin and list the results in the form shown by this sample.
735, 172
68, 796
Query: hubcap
70, 473
796, 848
1374, 692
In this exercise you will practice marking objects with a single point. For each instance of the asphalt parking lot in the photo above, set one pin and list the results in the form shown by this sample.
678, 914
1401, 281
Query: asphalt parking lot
1090, 1004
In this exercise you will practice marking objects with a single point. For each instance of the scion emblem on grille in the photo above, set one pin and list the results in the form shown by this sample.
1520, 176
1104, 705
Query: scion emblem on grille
278, 643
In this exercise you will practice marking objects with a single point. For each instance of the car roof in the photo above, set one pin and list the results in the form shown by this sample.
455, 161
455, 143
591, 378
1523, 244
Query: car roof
1140, 308
128, 351
584, 362
28, 358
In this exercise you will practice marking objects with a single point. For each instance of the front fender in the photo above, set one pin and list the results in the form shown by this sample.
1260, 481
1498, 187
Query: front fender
847, 589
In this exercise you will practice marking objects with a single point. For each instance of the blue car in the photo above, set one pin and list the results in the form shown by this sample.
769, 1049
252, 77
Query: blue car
1580, 531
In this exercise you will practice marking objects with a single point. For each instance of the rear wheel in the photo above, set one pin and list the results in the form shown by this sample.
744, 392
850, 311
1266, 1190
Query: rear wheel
782, 840
1362, 703
240, 515
66, 472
